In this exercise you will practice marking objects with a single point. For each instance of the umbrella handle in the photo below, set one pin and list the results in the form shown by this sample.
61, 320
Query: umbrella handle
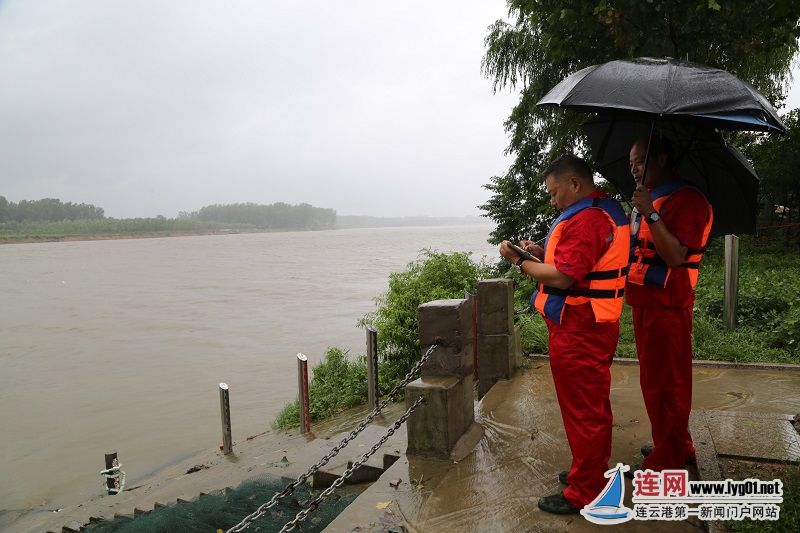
647, 152
635, 223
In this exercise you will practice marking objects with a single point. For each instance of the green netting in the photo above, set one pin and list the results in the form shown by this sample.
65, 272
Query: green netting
224, 509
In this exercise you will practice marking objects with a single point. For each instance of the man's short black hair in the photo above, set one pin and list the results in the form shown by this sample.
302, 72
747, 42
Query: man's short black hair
569, 164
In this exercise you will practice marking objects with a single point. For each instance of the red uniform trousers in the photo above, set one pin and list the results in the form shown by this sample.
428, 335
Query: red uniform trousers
664, 345
581, 351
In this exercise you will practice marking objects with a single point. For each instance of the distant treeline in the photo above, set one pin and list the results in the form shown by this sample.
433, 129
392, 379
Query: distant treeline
50, 217
278, 216
359, 221
47, 210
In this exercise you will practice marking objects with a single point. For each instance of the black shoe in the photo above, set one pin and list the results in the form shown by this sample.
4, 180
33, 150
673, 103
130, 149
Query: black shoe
634, 468
562, 477
557, 504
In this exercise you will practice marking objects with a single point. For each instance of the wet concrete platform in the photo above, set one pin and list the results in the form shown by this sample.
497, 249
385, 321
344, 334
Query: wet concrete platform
495, 488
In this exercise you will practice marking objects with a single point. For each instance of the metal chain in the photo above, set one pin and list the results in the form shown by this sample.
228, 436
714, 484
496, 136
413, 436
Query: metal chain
340, 480
262, 510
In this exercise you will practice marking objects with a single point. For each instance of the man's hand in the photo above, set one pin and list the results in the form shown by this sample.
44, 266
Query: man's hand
510, 255
641, 200
533, 248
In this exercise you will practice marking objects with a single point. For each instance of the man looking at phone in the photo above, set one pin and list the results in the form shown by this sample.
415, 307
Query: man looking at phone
581, 282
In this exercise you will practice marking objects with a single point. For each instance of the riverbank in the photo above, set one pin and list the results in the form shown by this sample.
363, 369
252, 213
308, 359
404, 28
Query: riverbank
269, 456
27, 239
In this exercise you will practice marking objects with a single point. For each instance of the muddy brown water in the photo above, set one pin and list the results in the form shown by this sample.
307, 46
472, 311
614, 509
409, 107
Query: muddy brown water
120, 345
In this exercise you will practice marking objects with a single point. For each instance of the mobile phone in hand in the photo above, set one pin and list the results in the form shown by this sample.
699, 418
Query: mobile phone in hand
525, 254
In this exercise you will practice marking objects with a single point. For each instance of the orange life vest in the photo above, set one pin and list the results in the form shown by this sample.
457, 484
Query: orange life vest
647, 267
606, 279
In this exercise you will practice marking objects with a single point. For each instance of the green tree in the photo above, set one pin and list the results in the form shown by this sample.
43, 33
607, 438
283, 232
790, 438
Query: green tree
276, 216
777, 160
5, 211
548, 40
47, 209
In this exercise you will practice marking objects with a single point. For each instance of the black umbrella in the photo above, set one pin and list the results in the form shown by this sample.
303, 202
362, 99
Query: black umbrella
701, 157
689, 98
667, 87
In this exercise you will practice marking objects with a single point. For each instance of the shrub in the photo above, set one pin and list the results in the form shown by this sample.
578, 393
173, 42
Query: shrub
433, 276
534, 333
337, 383
533, 328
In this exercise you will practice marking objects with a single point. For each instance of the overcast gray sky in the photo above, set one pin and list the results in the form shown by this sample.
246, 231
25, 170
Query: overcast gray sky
154, 107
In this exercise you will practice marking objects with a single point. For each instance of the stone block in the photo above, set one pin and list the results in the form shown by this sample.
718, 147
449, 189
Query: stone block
496, 307
447, 361
450, 322
448, 412
447, 320
498, 358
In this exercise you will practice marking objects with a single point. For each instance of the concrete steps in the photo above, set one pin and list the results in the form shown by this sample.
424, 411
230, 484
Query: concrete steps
367, 473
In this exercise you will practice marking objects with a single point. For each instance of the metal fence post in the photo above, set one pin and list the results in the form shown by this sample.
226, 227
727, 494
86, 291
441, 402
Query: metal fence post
731, 281
302, 389
372, 368
225, 412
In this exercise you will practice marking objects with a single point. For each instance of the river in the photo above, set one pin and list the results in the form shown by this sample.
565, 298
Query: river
121, 344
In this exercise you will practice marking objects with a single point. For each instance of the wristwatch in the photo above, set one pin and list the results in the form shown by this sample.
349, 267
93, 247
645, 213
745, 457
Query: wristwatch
653, 217
518, 264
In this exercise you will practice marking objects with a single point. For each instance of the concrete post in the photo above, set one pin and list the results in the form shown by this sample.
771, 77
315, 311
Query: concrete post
731, 281
448, 412
450, 323
445, 380
499, 343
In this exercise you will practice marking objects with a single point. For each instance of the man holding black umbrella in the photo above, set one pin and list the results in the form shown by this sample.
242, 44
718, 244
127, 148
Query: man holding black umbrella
675, 222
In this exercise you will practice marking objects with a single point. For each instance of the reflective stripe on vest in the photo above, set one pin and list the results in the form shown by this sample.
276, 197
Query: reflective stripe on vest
607, 278
647, 267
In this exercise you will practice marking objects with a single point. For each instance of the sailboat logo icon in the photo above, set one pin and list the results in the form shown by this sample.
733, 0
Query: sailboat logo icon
607, 508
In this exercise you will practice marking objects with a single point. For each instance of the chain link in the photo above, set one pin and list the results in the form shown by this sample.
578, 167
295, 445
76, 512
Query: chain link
340, 480
262, 510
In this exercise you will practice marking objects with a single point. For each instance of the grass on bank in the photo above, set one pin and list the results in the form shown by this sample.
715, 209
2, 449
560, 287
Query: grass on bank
789, 510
